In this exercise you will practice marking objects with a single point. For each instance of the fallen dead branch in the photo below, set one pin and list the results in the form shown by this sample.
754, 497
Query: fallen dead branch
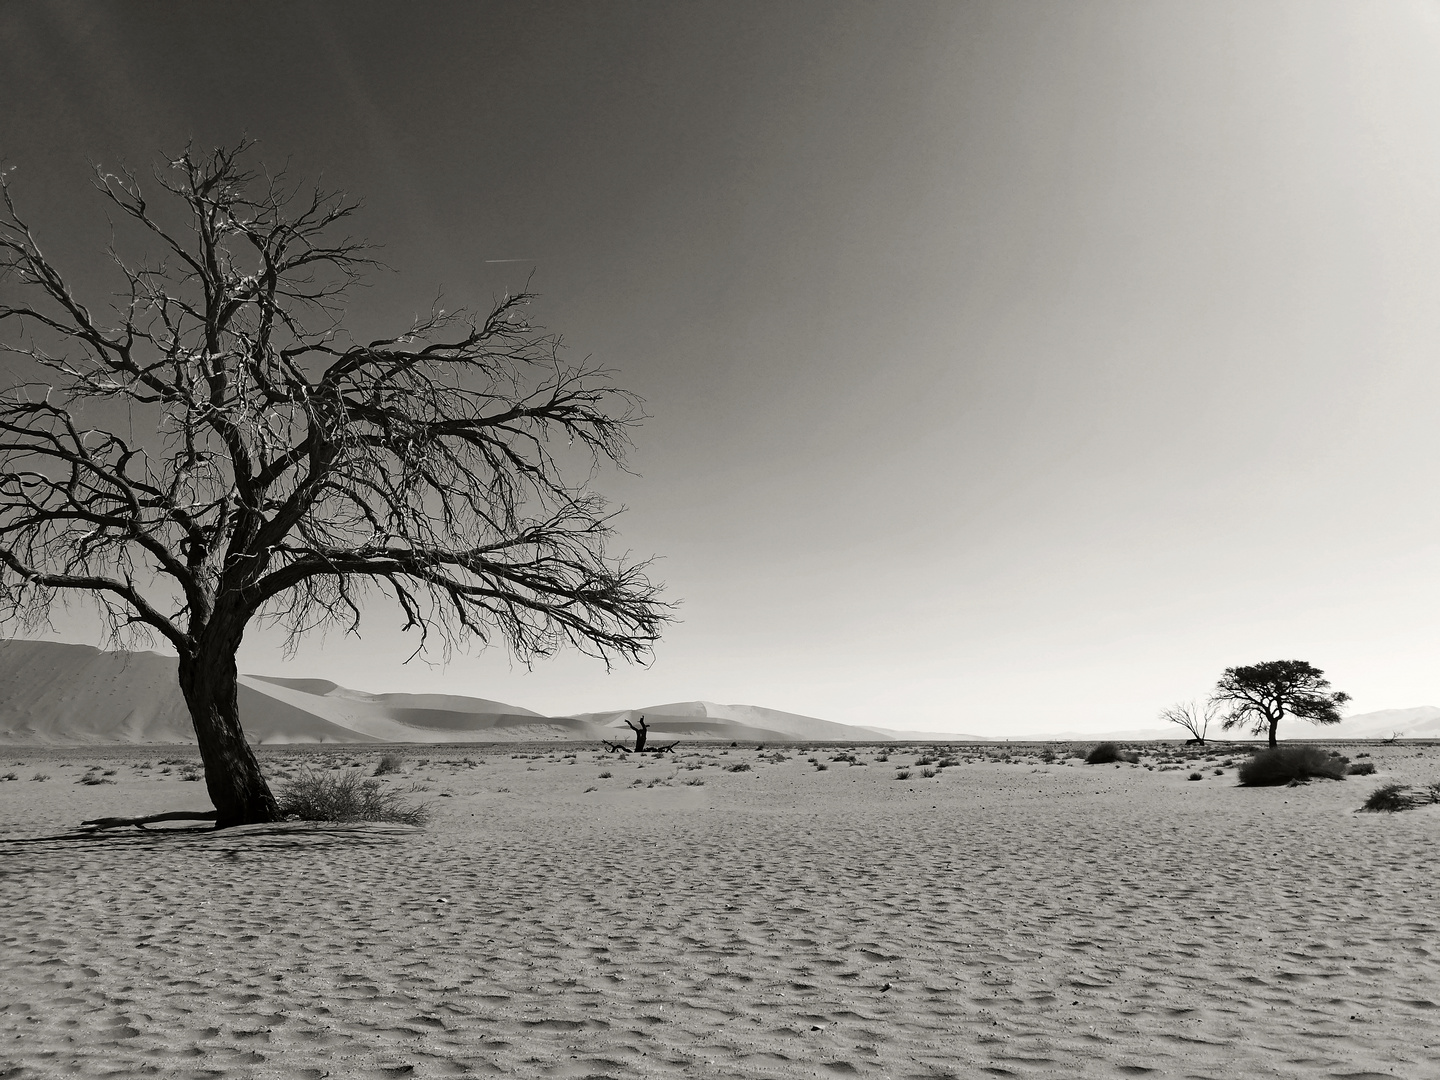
141, 822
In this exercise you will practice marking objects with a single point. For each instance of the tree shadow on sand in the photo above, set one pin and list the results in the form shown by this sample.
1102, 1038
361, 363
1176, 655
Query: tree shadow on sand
268, 836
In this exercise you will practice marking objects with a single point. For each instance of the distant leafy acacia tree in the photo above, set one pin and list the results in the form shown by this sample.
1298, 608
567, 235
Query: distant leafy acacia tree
1261, 694
281, 466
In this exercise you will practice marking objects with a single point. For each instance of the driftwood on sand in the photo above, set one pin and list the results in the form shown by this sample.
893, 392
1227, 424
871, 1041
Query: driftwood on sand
617, 748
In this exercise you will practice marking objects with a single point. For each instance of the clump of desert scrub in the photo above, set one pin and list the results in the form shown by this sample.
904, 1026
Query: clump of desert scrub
389, 763
1361, 768
320, 797
1391, 799
1103, 754
1286, 764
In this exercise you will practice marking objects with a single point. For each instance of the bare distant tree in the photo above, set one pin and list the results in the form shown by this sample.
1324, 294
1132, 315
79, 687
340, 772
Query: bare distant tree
281, 467
1259, 695
640, 733
1193, 717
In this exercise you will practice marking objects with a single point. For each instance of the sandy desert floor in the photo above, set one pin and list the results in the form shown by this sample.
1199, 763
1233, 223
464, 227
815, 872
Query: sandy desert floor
676, 918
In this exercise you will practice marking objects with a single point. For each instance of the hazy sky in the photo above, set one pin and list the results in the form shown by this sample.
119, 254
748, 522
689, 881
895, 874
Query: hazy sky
1013, 367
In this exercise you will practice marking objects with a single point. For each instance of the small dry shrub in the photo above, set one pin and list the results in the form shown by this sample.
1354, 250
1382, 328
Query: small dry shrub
739, 766
1391, 799
928, 774
389, 763
1103, 754
1284, 764
1361, 768
1195, 776
318, 797
902, 774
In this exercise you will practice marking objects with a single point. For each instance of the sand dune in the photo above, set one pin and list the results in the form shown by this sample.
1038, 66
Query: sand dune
55, 694
1027, 919
743, 721
404, 718
74, 695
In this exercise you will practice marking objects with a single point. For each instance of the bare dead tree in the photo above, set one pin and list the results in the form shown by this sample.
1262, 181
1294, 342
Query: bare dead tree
283, 468
640, 733
1193, 717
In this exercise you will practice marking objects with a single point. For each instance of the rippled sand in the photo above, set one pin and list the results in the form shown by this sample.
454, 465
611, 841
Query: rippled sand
998, 920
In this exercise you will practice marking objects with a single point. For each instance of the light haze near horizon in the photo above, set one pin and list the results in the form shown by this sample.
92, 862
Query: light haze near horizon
1012, 367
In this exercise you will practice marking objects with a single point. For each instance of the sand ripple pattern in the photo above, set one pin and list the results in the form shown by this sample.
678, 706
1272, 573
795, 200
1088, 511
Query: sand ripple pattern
997, 921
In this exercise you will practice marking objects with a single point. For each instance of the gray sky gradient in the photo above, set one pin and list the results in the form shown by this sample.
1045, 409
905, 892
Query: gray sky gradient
1012, 366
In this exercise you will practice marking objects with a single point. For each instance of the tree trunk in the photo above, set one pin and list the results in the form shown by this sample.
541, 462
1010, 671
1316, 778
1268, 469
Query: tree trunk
1274, 723
640, 733
237, 788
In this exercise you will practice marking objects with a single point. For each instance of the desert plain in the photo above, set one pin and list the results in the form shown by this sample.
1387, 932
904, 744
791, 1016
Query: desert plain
725, 911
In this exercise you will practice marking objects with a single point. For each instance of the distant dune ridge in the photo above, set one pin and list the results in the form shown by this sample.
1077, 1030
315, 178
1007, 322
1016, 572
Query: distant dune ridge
59, 695
67, 695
